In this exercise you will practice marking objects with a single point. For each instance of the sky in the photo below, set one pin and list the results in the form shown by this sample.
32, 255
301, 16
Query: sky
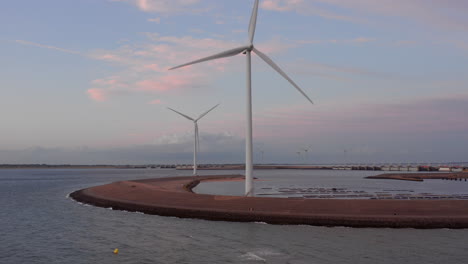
87, 82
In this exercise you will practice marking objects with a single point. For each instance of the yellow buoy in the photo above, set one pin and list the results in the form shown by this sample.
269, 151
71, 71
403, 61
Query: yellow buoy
116, 251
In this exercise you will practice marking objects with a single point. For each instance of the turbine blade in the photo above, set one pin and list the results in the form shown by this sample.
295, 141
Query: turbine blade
281, 72
204, 114
227, 53
188, 117
253, 22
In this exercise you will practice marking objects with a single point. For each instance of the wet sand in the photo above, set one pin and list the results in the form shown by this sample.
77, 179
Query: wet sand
173, 197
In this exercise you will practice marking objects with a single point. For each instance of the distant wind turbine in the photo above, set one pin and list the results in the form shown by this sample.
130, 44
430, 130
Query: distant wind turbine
247, 49
196, 143
306, 151
299, 154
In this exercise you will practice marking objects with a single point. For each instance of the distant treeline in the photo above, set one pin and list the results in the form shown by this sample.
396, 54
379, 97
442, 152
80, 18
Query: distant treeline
70, 166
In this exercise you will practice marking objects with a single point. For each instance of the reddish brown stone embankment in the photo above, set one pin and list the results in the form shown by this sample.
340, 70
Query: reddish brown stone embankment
173, 197
420, 176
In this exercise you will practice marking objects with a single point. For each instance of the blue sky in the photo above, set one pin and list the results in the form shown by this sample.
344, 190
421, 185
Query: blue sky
87, 82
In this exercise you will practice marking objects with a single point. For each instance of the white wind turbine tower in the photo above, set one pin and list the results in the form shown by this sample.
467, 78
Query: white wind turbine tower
300, 156
196, 143
247, 49
306, 151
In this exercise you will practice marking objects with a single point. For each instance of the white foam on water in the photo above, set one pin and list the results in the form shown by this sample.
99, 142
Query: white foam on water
268, 252
252, 256
261, 223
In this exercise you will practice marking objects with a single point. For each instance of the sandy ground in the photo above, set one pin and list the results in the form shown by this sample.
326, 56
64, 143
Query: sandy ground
173, 197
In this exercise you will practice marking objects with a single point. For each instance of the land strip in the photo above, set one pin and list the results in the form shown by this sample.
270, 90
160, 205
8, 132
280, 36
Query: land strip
421, 176
173, 197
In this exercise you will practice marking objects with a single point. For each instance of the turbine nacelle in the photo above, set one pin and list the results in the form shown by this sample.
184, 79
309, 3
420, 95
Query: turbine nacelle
248, 48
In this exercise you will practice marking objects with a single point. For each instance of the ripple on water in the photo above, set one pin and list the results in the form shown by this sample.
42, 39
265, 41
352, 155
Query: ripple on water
39, 226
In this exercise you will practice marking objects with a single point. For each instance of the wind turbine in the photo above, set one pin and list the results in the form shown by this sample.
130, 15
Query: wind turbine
196, 143
247, 49
306, 151
300, 157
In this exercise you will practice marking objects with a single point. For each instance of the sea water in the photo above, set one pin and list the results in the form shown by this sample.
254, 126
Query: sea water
40, 224
338, 184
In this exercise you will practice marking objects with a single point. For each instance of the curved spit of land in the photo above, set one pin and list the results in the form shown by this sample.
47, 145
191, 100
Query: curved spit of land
173, 197
421, 176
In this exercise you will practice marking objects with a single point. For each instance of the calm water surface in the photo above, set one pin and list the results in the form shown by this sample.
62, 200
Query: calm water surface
39, 224
297, 183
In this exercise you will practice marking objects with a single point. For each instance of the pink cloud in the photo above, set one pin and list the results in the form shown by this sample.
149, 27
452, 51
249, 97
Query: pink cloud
154, 67
112, 82
164, 6
144, 66
167, 51
96, 94
109, 87
149, 85
161, 48
165, 83
155, 102
106, 87
108, 57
